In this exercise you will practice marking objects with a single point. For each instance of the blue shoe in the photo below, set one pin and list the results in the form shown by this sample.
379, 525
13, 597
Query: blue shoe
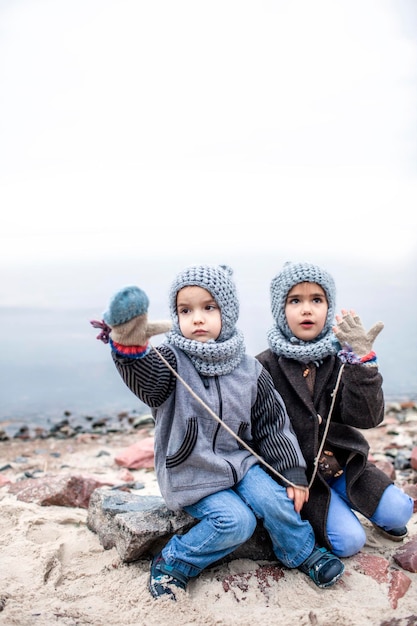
323, 567
164, 579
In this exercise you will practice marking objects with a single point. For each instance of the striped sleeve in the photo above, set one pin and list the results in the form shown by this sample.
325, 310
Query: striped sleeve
273, 434
148, 377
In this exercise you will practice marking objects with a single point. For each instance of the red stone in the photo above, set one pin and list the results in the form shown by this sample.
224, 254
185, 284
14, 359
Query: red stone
374, 566
398, 587
406, 555
72, 491
139, 455
4, 480
413, 460
387, 468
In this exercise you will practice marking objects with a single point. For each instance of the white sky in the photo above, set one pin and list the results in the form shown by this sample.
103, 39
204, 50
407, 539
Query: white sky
155, 126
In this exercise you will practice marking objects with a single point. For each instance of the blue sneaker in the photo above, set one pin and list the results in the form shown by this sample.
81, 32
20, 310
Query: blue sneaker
323, 567
164, 579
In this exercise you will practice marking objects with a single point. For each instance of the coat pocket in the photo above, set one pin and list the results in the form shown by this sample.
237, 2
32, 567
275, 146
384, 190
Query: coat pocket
186, 447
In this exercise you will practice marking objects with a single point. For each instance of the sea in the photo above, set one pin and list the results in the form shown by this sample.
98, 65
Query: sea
51, 363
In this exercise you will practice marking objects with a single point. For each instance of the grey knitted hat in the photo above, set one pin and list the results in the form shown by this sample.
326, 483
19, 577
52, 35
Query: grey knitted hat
293, 274
218, 281
280, 338
213, 357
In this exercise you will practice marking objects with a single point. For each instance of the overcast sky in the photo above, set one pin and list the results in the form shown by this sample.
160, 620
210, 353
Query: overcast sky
162, 126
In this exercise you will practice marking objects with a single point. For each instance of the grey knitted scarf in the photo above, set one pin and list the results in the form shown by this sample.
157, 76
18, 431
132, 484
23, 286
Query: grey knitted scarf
304, 351
213, 357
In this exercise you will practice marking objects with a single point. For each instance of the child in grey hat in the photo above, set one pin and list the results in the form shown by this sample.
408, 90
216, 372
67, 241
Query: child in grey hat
205, 438
307, 353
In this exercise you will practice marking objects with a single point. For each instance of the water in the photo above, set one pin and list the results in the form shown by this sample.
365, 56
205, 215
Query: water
50, 361
54, 364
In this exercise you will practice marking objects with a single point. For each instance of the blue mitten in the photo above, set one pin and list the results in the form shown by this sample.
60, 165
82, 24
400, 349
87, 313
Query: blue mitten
127, 317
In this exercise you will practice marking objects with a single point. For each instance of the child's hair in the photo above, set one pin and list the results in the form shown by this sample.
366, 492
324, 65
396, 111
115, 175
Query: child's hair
293, 274
217, 280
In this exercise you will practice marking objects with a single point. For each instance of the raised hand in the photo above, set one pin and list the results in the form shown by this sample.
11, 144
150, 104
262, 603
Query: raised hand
350, 332
127, 317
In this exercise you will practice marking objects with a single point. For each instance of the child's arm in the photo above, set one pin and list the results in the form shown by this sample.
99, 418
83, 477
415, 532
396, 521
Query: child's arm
126, 328
273, 435
362, 400
127, 317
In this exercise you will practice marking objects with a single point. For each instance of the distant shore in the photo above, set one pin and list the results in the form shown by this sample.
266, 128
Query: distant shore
71, 424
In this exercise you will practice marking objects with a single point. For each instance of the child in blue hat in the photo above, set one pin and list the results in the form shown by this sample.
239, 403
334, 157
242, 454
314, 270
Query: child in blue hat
327, 374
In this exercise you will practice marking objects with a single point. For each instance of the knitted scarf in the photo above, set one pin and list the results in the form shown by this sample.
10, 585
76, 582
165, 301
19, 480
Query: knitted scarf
305, 351
213, 357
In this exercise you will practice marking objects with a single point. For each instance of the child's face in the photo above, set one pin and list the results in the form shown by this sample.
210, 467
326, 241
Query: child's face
306, 310
198, 314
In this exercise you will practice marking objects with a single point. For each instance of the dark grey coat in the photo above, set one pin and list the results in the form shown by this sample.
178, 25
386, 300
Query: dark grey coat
359, 404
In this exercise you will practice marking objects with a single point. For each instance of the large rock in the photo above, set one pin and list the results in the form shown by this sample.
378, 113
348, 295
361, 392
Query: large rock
139, 526
71, 491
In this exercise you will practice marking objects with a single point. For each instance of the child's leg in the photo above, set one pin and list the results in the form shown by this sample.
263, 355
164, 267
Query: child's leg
292, 537
344, 530
225, 523
394, 510
343, 527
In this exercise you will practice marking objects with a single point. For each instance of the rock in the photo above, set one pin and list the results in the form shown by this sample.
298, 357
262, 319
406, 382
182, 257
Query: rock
387, 468
379, 569
406, 556
374, 566
139, 526
413, 459
139, 455
131, 523
398, 587
72, 491
125, 476
411, 490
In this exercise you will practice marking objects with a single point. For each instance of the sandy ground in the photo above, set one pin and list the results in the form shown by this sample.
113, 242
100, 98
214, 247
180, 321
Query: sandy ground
55, 571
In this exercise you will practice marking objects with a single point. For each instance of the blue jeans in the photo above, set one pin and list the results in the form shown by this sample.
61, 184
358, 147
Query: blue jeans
346, 533
228, 518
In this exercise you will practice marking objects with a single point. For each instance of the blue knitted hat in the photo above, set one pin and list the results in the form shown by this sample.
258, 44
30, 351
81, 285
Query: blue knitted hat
293, 274
218, 281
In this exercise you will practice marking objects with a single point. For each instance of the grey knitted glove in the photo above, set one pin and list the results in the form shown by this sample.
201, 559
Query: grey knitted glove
127, 317
349, 331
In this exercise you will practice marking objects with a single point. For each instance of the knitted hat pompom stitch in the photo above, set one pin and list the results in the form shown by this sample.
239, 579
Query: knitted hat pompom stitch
217, 280
218, 357
128, 303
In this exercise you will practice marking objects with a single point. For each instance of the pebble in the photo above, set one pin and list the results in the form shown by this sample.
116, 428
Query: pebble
394, 441
70, 426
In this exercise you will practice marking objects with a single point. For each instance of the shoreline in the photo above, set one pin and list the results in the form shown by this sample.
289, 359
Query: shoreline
123, 421
54, 569
71, 424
